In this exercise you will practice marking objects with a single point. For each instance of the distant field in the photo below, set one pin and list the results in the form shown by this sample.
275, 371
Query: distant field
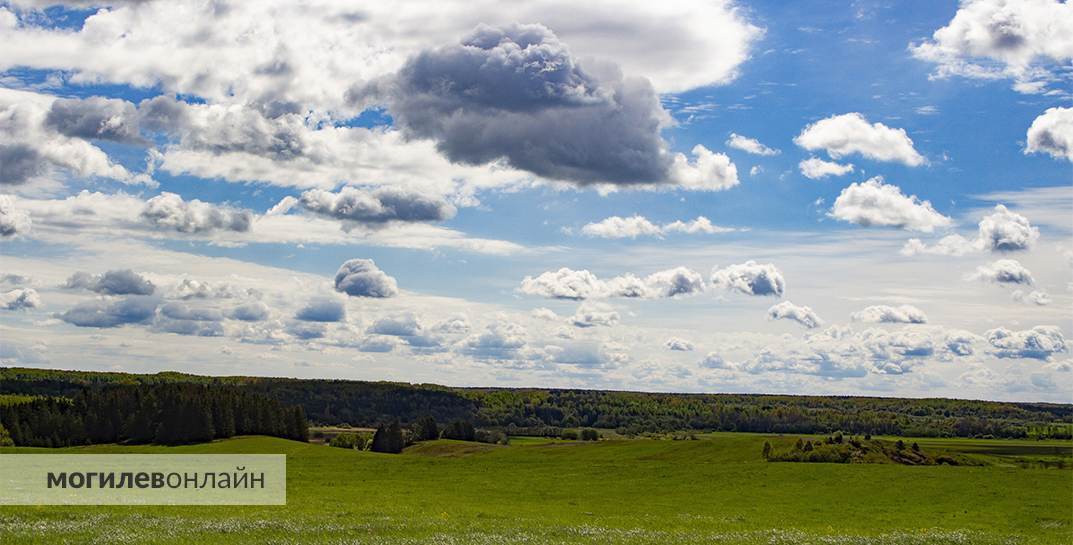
716, 489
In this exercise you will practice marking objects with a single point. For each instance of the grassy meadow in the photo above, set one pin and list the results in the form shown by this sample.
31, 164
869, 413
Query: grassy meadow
717, 489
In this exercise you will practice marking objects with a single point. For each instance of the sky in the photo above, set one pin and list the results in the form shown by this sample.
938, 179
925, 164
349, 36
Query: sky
856, 198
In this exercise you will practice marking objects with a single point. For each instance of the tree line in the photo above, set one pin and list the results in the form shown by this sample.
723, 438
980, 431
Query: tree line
549, 411
164, 413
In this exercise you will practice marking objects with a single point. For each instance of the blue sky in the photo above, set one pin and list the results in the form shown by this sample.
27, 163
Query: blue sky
509, 183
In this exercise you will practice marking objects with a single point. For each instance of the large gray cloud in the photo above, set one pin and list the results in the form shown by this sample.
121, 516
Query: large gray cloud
182, 319
118, 282
517, 93
362, 278
170, 211
19, 163
94, 118
112, 312
377, 207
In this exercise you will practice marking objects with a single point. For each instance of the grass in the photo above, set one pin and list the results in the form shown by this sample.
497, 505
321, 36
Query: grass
713, 490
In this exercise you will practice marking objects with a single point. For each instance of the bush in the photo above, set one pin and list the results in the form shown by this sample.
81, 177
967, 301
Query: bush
569, 435
589, 434
494, 437
5, 437
348, 440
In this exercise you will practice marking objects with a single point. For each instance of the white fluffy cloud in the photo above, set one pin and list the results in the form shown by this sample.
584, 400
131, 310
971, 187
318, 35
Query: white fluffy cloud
310, 54
14, 221
749, 145
577, 285
640, 226
815, 168
799, 313
594, 314
678, 344
31, 148
170, 211
1040, 342
1034, 297
1000, 231
19, 299
117, 282
1052, 133
879, 314
848, 134
997, 39
750, 278
1003, 271
875, 203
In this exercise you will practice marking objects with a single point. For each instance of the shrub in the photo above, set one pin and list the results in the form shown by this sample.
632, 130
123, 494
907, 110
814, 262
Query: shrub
494, 437
569, 435
589, 434
348, 440
5, 437
767, 450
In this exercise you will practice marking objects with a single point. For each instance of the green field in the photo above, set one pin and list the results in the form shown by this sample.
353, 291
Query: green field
717, 489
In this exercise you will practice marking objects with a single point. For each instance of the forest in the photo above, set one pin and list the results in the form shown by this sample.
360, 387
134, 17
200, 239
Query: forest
167, 414
524, 411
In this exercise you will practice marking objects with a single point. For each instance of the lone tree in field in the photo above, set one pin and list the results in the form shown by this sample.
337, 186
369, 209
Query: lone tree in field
425, 429
589, 434
388, 438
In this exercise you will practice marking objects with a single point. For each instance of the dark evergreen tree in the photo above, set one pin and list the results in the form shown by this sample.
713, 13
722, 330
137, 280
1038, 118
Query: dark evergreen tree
425, 429
388, 438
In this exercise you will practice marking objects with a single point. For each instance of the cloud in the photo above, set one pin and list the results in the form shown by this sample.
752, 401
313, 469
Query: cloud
362, 278
376, 207
679, 345
574, 285
402, 325
517, 94
874, 203
20, 299
94, 118
814, 168
499, 341
1003, 271
961, 343
183, 319
594, 314
848, 134
544, 314
306, 331
1052, 133
304, 58
13, 220
31, 149
749, 145
117, 282
1040, 342
750, 278
1039, 298
638, 226
885, 314
1005, 231
250, 312
189, 288
1001, 231
322, 310
801, 314
170, 211
998, 39
714, 360
104, 313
